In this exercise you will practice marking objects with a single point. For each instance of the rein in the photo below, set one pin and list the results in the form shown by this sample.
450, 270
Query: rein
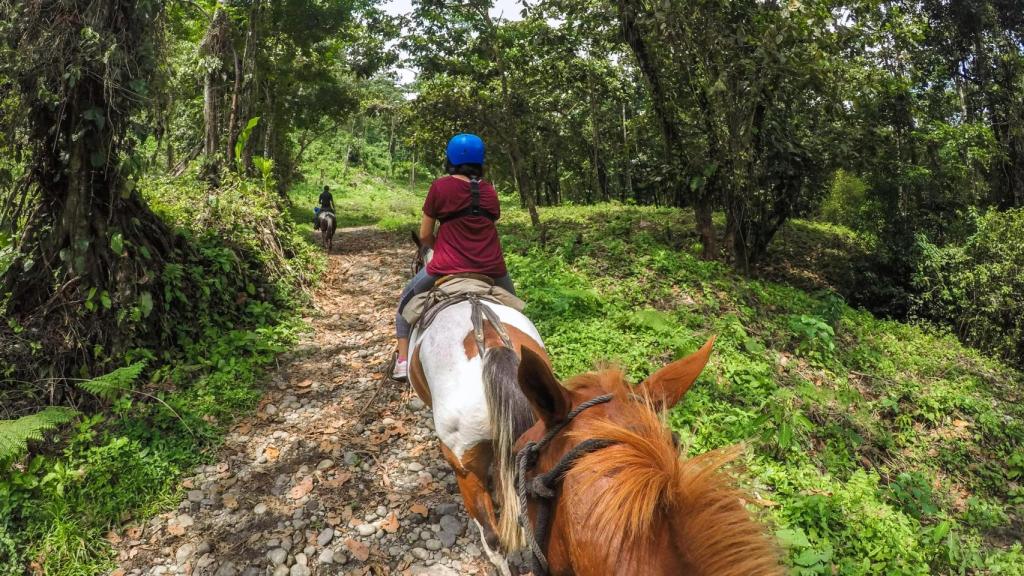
542, 487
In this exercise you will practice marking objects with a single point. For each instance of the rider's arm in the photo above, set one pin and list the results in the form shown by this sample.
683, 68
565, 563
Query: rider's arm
427, 231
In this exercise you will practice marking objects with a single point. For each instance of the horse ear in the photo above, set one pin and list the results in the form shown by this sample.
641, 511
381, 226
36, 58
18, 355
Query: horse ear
667, 386
415, 238
550, 402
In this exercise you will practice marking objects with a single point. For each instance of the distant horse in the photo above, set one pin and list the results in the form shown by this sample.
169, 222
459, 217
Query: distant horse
327, 224
606, 490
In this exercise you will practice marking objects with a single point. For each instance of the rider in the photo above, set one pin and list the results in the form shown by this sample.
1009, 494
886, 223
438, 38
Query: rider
467, 239
326, 205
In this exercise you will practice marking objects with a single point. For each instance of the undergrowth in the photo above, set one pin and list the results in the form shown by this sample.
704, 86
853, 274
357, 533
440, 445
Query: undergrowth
120, 463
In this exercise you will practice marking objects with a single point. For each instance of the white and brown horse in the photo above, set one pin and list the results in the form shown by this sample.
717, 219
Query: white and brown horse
479, 411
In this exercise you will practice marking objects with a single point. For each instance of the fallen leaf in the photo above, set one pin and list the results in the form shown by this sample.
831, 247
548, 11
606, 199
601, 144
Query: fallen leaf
961, 423
244, 428
305, 383
230, 501
358, 549
175, 529
272, 453
301, 489
419, 509
133, 532
113, 538
338, 481
390, 524
188, 483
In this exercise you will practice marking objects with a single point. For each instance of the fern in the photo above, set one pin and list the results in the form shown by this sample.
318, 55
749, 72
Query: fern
14, 434
113, 385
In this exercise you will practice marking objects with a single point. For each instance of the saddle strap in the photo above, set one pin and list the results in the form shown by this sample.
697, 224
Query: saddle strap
480, 312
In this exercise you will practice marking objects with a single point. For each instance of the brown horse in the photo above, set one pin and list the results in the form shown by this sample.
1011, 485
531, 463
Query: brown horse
606, 490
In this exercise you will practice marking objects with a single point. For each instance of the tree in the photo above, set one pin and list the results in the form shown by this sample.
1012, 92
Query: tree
89, 245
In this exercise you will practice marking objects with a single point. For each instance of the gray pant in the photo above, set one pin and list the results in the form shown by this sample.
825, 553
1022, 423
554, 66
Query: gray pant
422, 282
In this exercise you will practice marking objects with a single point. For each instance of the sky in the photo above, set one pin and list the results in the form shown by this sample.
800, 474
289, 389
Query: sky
507, 9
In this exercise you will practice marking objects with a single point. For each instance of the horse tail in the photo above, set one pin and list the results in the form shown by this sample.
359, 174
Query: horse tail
510, 416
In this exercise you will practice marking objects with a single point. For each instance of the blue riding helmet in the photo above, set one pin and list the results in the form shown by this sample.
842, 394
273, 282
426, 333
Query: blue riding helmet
465, 149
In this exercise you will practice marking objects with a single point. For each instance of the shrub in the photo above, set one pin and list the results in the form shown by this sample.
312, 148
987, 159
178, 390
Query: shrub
976, 287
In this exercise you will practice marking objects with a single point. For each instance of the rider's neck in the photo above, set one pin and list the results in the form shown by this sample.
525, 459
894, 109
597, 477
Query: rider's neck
460, 177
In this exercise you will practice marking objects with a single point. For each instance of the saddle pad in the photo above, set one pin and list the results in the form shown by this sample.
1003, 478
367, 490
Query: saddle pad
453, 287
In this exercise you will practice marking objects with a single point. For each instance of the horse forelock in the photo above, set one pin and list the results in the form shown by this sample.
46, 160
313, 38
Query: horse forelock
632, 491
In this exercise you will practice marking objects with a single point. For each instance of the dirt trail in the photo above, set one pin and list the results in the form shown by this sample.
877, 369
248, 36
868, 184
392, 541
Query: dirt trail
336, 473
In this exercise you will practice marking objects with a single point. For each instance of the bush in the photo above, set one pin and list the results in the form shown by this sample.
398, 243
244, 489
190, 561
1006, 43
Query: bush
976, 287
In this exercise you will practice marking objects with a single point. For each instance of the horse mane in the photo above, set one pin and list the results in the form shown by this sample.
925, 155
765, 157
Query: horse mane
646, 489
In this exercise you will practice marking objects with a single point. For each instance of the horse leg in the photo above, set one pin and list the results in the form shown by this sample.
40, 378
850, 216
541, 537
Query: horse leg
471, 474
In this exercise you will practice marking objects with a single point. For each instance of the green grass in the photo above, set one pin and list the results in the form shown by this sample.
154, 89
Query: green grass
879, 447
360, 200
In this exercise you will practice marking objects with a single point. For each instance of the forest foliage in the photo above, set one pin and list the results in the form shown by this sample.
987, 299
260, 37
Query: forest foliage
750, 168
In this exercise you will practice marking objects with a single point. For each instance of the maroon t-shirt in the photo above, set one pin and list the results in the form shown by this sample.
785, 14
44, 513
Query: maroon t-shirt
469, 243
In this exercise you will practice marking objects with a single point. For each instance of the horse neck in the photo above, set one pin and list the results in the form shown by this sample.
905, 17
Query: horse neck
579, 543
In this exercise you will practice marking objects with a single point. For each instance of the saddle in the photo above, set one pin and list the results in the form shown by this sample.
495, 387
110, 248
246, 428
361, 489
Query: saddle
423, 308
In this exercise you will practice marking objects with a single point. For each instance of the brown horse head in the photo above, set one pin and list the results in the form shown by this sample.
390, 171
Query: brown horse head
630, 505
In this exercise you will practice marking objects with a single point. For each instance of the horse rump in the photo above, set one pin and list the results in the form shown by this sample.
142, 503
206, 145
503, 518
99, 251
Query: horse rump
328, 224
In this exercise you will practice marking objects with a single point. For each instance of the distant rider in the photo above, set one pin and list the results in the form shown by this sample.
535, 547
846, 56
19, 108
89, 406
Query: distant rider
326, 205
467, 239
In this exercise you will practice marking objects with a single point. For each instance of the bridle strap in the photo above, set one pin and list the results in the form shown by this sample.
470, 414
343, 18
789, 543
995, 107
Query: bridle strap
543, 486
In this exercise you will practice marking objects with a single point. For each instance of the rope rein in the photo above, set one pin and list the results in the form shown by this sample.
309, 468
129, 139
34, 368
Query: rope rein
542, 487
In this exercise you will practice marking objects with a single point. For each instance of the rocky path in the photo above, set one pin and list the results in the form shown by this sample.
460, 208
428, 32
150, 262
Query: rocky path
338, 472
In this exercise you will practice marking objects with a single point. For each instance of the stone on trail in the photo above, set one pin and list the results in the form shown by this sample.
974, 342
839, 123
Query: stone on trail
452, 524
185, 551
277, 556
195, 495
325, 536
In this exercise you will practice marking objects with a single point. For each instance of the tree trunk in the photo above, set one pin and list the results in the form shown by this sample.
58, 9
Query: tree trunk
702, 211
391, 146
627, 160
236, 94
91, 248
412, 172
212, 45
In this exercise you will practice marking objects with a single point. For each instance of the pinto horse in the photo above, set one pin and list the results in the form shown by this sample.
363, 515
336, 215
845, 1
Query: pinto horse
606, 490
479, 411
